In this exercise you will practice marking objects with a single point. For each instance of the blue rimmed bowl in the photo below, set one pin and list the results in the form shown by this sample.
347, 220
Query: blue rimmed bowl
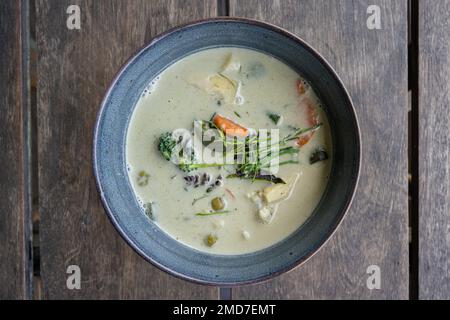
110, 164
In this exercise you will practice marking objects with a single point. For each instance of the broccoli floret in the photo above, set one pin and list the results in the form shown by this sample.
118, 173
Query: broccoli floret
166, 145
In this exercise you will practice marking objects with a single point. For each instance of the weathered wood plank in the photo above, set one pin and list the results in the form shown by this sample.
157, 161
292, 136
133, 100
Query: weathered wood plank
75, 67
14, 203
434, 149
373, 66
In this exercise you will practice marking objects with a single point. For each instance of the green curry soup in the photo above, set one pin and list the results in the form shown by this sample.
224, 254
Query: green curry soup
221, 206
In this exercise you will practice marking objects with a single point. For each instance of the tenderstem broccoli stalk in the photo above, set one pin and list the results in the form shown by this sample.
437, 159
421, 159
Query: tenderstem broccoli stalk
253, 170
249, 169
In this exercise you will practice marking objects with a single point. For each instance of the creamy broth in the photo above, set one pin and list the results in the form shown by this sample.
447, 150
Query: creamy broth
253, 86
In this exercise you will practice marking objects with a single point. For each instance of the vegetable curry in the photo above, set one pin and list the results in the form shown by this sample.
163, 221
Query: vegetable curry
228, 150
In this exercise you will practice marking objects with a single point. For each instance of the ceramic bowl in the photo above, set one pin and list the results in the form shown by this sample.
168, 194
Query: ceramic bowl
110, 164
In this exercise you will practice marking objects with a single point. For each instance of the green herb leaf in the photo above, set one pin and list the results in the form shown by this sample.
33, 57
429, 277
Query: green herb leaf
200, 198
274, 117
205, 213
259, 177
149, 210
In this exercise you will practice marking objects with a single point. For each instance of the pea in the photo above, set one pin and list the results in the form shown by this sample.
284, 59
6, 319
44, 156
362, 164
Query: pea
210, 240
142, 179
255, 70
217, 203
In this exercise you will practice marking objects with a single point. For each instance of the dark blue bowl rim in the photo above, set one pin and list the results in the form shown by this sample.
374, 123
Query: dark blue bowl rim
358, 147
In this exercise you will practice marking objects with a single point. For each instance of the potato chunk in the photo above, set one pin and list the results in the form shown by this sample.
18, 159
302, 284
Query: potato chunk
279, 191
267, 213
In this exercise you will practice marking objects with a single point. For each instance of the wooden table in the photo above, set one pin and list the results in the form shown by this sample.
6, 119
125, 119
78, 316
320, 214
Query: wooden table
51, 215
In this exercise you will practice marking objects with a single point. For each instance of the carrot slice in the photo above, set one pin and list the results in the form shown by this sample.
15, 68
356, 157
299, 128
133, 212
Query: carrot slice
300, 85
312, 119
229, 127
230, 193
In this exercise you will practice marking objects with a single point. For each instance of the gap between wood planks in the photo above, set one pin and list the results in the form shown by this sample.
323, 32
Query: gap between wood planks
33, 158
413, 146
26, 151
31, 175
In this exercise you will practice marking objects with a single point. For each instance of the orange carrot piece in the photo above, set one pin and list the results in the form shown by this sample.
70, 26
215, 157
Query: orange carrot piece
300, 85
304, 139
229, 127
230, 193
312, 119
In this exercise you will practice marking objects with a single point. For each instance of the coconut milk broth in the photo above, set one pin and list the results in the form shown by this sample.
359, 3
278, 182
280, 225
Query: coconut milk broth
174, 100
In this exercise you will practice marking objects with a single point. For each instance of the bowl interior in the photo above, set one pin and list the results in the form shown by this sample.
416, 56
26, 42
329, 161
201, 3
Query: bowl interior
110, 163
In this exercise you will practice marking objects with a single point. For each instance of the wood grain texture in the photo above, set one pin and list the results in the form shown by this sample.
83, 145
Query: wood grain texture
75, 68
14, 203
434, 149
373, 66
